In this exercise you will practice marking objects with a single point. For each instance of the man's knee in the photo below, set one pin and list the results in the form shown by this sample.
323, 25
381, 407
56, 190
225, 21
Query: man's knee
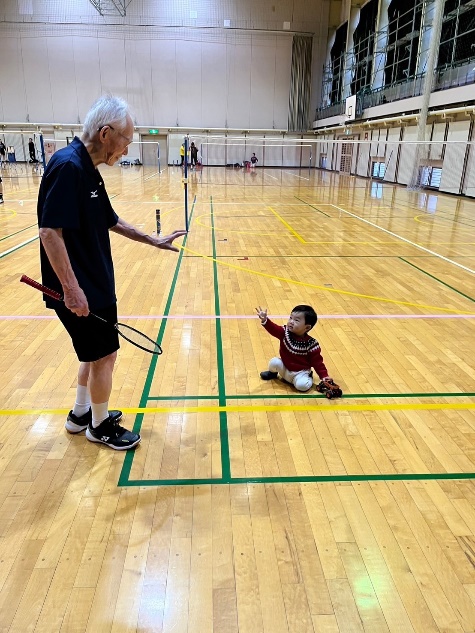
106, 361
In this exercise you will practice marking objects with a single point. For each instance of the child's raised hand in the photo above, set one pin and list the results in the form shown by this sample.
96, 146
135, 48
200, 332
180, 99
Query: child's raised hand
262, 313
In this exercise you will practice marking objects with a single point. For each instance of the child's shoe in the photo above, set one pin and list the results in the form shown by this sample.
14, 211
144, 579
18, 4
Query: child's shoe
268, 375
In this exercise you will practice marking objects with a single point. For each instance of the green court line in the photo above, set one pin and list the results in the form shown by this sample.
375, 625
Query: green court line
313, 207
298, 396
183, 397
226, 478
10, 251
302, 479
223, 418
439, 280
129, 457
16, 233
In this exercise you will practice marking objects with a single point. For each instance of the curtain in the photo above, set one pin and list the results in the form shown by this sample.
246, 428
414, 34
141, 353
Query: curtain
300, 83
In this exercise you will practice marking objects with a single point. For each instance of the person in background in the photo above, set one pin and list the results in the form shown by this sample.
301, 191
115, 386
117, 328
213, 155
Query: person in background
3, 150
31, 150
194, 154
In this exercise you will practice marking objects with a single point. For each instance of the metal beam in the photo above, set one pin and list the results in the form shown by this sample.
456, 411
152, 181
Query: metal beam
111, 7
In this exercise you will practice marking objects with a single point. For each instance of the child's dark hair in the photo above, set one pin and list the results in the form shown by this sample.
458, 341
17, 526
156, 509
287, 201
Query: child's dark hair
309, 314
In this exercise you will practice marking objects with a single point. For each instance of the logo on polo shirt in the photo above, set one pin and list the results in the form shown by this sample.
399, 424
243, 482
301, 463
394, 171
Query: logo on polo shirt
94, 194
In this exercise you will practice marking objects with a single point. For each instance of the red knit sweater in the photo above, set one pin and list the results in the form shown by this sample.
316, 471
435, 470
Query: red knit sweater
297, 352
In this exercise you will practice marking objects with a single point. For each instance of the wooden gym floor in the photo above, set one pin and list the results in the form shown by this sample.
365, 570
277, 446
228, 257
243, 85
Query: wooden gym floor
248, 507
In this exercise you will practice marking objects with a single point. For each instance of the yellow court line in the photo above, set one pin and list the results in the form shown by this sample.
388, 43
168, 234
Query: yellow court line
324, 288
9, 213
421, 406
287, 225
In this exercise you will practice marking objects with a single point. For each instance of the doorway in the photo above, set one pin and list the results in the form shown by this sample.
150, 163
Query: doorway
154, 150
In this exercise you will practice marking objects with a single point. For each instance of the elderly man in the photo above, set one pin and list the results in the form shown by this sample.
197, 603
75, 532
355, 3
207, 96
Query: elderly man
74, 219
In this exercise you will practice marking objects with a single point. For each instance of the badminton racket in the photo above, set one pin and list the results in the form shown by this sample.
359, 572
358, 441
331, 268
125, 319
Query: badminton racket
139, 339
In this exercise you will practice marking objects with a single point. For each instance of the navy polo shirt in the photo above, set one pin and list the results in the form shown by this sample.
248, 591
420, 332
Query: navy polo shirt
72, 197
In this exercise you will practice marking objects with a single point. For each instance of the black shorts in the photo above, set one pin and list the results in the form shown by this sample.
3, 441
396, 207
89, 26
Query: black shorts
92, 339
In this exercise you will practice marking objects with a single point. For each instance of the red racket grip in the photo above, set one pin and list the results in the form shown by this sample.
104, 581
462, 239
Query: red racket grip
47, 291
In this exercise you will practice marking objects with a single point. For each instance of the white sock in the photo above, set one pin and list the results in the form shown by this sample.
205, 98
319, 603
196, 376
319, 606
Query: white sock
99, 413
83, 401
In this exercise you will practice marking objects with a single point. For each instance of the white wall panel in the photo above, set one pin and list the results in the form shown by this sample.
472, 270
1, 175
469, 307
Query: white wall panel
213, 85
12, 82
407, 156
392, 148
263, 77
112, 66
37, 80
363, 166
164, 89
306, 155
189, 70
454, 157
241, 81
438, 134
88, 75
138, 64
283, 65
235, 151
273, 153
292, 153
239, 86
469, 184
61, 67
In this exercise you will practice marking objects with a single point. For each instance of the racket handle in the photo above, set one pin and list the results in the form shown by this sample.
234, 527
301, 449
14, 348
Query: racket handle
47, 291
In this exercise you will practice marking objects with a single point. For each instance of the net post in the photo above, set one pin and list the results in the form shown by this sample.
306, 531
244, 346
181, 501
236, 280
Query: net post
158, 221
42, 145
185, 181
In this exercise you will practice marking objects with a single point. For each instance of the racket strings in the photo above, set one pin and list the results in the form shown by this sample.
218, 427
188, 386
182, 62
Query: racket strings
139, 339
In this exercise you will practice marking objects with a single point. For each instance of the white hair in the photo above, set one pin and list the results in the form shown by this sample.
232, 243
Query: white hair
106, 110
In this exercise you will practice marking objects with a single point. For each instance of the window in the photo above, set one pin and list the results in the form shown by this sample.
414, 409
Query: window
430, 176
378, 169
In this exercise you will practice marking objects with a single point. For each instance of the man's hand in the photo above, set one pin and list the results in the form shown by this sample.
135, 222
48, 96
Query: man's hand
262, 314
166, 242
75, 300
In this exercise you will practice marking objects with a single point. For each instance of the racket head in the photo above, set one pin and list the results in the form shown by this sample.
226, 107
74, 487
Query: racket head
139, 339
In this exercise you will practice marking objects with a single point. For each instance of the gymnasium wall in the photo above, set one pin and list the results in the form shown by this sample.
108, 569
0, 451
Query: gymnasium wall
451, 149
58, 57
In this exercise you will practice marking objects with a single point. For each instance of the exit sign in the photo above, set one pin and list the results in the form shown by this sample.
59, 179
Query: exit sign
154, 131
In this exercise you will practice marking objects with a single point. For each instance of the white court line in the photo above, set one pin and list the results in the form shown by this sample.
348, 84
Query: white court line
151, 176
15, 248
295, 175
266, 174
399, 237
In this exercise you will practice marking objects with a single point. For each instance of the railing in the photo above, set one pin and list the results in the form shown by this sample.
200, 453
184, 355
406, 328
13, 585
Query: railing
453, 76
446, 77
332, 110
